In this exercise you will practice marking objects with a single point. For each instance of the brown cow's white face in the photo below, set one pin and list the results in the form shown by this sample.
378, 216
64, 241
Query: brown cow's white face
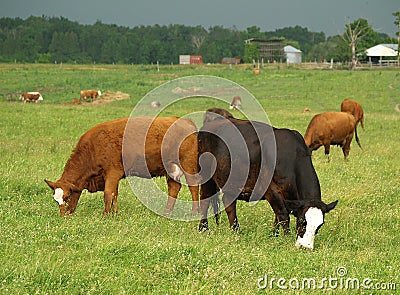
66, 195
58, 196
314, 218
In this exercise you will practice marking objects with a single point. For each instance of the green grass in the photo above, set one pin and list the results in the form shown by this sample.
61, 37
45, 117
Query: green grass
138, 252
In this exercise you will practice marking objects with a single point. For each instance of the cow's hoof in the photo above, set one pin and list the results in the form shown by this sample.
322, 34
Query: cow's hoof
236, 228
167, 212
203, 227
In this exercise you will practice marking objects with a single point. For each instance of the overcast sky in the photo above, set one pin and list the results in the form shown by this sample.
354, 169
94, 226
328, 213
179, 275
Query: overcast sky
328, 16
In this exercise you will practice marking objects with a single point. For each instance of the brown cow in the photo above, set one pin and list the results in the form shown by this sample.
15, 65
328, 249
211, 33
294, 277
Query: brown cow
108, 152
92, 94
354, 108
31, 96
331, 128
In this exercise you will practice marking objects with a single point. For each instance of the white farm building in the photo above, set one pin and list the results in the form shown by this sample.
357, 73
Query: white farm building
379, 52
292, 55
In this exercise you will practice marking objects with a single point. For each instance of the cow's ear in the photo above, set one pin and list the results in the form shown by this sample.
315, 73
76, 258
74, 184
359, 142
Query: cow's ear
51, 184
294, 206
331, 206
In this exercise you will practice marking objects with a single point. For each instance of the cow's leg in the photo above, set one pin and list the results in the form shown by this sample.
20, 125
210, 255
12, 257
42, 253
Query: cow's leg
346, 147
107, 203
115, 201
110, 195
173, 190
230, 208
282, 218
208, 190
194, 190
204, 205
327, 149
189, 166
73, 201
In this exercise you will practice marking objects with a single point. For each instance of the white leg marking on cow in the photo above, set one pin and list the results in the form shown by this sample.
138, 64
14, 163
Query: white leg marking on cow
314, 218
58, 196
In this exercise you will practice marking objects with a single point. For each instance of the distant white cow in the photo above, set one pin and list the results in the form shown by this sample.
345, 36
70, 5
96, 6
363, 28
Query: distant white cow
31, 96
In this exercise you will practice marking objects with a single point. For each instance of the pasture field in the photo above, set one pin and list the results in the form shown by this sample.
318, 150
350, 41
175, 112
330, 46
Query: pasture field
139, 252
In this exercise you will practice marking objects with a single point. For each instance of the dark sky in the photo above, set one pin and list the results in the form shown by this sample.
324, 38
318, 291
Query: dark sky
328, 16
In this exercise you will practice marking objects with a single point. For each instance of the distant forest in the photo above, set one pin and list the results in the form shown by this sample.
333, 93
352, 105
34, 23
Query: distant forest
57, 39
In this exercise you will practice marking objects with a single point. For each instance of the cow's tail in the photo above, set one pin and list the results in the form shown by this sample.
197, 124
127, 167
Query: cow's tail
357, 139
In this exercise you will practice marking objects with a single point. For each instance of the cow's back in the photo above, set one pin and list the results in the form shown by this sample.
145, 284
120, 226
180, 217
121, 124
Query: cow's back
105, 142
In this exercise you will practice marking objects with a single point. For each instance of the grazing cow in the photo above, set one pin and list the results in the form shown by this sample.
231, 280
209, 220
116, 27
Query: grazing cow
244, 168
354, 108
31, 97
236, 103
331, 128
92, 94
114, 150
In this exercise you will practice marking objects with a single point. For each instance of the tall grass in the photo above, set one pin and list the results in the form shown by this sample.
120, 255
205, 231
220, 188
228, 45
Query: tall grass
138, 252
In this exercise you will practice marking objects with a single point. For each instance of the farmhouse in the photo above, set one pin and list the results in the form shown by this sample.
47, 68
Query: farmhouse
377, 53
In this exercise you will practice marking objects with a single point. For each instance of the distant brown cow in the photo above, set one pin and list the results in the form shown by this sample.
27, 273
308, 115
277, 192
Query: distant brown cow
354, 108
92, 94
331, 128
97, 162
31, 96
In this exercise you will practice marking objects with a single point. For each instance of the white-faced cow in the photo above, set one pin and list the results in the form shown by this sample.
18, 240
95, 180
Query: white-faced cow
33, 96
98, 161
244, 163
354, 108
331, 128
92, 94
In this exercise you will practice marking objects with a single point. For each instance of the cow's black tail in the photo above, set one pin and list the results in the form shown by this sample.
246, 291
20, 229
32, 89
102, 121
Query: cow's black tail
357, 139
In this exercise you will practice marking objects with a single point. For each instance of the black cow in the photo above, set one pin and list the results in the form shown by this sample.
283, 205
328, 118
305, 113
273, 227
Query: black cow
243, 167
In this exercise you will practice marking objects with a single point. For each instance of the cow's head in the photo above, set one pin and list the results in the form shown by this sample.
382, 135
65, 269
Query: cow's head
66, 195
310, 217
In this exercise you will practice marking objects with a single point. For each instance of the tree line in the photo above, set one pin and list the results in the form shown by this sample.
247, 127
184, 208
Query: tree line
57, 39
